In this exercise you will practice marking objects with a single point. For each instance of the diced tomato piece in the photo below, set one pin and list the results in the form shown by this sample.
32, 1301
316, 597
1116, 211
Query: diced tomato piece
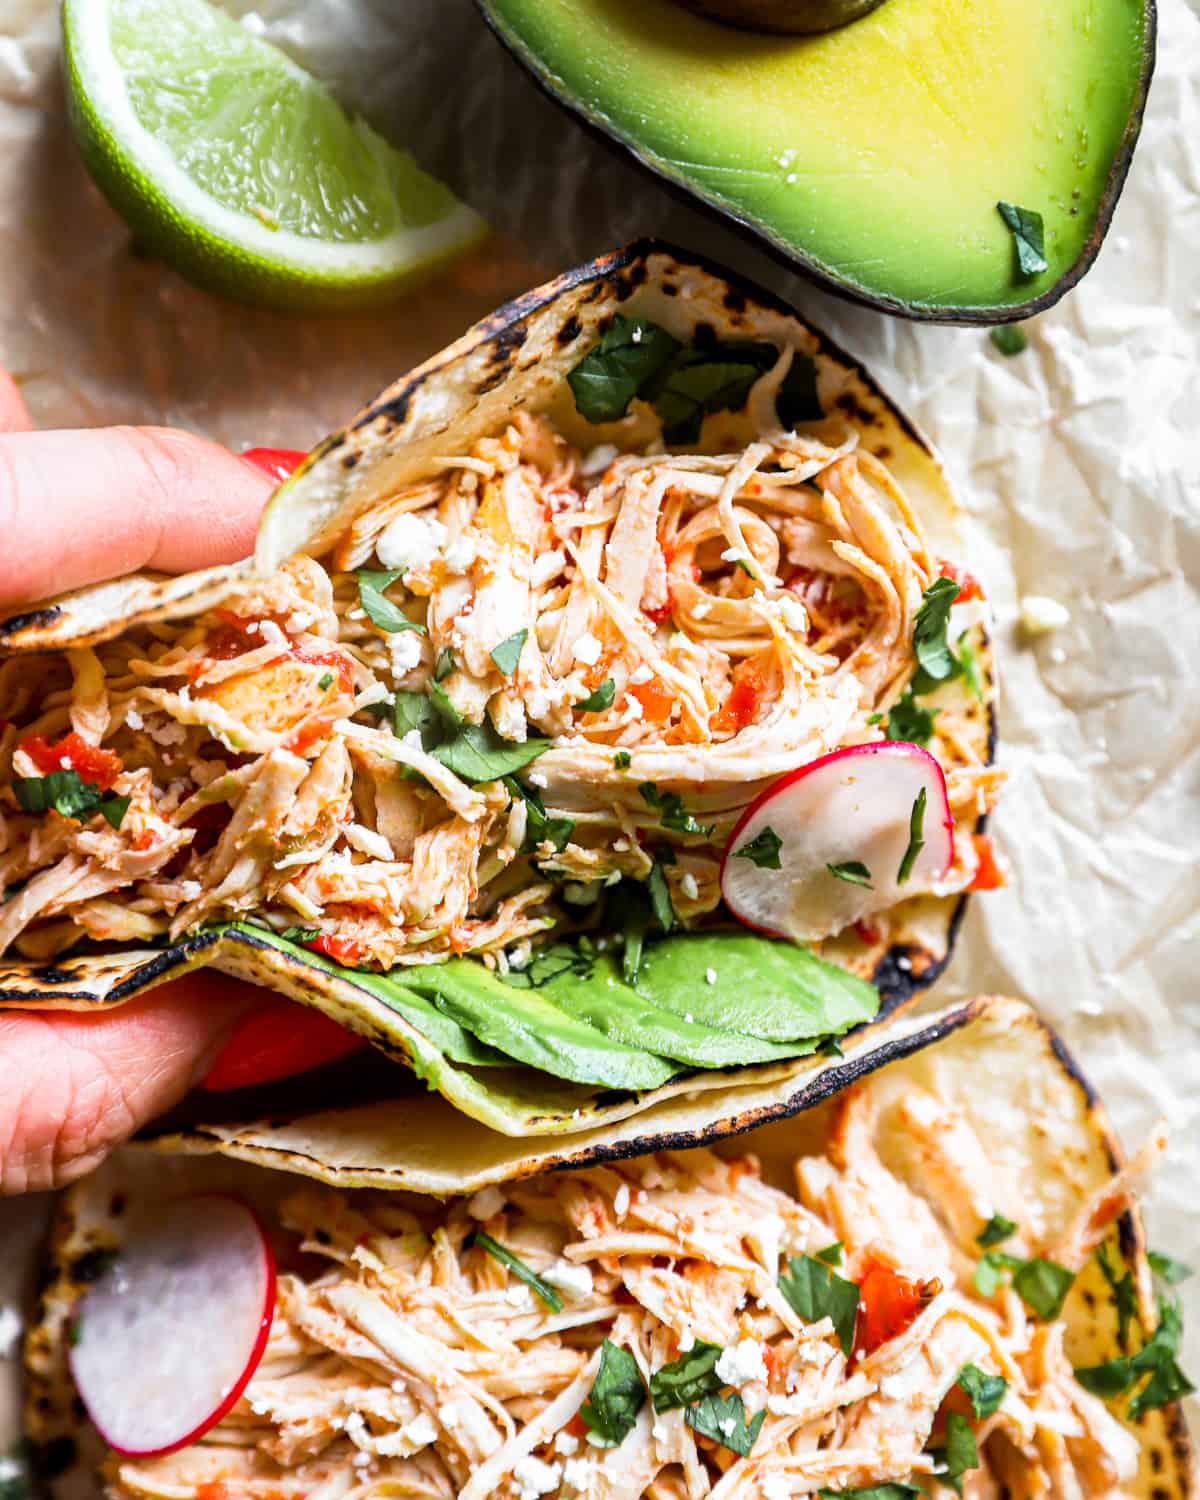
969, 587
744, 699
73, 753
308, 733
337, 662
275, 463
888, 1304
278, 1039
343, 950
147, 839
215, 1489
577, 1427
867, 932
660, 612
988, 874
656, 698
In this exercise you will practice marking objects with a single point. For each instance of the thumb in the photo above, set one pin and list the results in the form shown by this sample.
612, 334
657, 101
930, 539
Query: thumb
75, 1085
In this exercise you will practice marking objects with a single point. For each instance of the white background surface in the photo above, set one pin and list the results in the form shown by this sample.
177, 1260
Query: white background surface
1079, 463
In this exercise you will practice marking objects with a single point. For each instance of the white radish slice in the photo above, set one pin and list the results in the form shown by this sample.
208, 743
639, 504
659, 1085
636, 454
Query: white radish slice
165, 1341
852, 808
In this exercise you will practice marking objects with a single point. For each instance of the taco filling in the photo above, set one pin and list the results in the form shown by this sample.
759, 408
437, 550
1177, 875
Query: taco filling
539, 679
677, 1327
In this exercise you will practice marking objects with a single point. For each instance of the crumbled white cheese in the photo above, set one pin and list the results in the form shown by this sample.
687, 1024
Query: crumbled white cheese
687, 1341
533, 1477
10, 1330
1040, 615
587, 649
486, 1203
272, 634
766, 1235
413, 741
460, 554
410, 541
576, 1474
710, 976
689, 1018
133, 718
546, 568
355, 1426
566, 1443
687, 884
727, 1424
621, 1201
538, 779
640, 675
404, 649
741, 1364
599, 458
519, 955
420, 1432
575, 1280
788, 1406
776, 1487
368, 842
517, 1295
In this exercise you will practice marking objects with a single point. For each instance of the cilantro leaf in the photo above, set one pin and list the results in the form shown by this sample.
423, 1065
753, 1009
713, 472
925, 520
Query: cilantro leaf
445, 664
628, 356
687, 1378
1124, 1295
671, 811
933, 653
832, 1254
1008, 338
853, 871
519, 1269
508, 653
69, 795
873, 1492
968, 662
617, 1395
540, 828
723, 1418
300, 935
379, 609
995, 1231
325, 681
989, 1273
984, 1391
815, 1292
908, 721
660, 892
415, 711
916, 841
1171, 1271
599, 699
477, 753
762, 850
1043, 1285
1028, 234
959, 1452
622, 759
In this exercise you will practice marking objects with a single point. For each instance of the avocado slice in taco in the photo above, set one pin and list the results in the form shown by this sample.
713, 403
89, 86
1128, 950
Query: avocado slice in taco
606, 707
931, 1279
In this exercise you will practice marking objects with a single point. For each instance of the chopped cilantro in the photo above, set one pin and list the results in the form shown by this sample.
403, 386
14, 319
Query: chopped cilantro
69, 795
616, 1398
1008, 338
908, 721
1028, 234
325, 681
628, 356
671, 811
599, 699
687, 1378
959, 1452
1043, 1285
985, 1392
995, 1231
815, 1292
916, 841
445, 664
376, 606
853, 871
660, 892
622, 759
762, 850
723, 1419
519, 1269
508, 653
832, 1254
933, 653
540, 828
477, 753
1171, 1271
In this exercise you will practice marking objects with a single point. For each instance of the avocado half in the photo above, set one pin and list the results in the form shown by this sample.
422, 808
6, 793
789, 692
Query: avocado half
872, 157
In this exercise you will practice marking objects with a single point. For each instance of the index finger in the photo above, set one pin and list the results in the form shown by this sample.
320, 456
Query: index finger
77, 507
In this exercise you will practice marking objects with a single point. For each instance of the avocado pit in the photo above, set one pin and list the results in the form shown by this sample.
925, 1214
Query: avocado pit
802, 17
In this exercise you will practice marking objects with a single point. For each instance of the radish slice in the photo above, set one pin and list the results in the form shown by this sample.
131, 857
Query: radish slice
851, 810
167, 1338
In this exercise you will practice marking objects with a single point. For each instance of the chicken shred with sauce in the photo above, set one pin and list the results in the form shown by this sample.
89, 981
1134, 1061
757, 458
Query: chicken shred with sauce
725, 616
405, 1359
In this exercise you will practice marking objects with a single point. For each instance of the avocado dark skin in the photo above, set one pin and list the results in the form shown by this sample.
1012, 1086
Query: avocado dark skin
804, 17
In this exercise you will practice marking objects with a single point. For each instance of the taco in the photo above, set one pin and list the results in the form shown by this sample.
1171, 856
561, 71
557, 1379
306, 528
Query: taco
931, 1281
635, 621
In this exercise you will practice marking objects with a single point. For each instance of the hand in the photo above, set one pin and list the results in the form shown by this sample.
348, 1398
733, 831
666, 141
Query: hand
78, 507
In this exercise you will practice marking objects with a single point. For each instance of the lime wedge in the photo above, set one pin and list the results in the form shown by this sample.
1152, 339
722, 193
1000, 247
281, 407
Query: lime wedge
238, 168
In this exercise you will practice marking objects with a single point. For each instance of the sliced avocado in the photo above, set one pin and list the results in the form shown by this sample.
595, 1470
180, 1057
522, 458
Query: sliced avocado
774, 991
872, 156
529, 1028
605, 1001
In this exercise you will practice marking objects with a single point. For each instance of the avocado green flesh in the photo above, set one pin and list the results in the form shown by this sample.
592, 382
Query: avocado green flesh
878, 152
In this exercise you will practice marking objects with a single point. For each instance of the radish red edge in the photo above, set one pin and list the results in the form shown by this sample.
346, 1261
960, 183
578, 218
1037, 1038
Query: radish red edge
884, 748
257, 1351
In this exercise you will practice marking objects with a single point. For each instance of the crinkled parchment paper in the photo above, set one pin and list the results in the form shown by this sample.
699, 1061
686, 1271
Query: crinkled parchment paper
1078, 459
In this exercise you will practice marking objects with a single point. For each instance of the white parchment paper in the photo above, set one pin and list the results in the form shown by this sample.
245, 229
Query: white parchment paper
1079, 462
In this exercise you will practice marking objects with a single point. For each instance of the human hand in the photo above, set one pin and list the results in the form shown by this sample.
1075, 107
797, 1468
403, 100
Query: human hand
78, 507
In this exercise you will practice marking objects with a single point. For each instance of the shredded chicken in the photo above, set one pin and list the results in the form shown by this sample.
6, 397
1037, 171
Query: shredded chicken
734, 614
415, 1363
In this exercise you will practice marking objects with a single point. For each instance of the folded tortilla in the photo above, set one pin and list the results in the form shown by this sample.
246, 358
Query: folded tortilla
510, 370
919, 1144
